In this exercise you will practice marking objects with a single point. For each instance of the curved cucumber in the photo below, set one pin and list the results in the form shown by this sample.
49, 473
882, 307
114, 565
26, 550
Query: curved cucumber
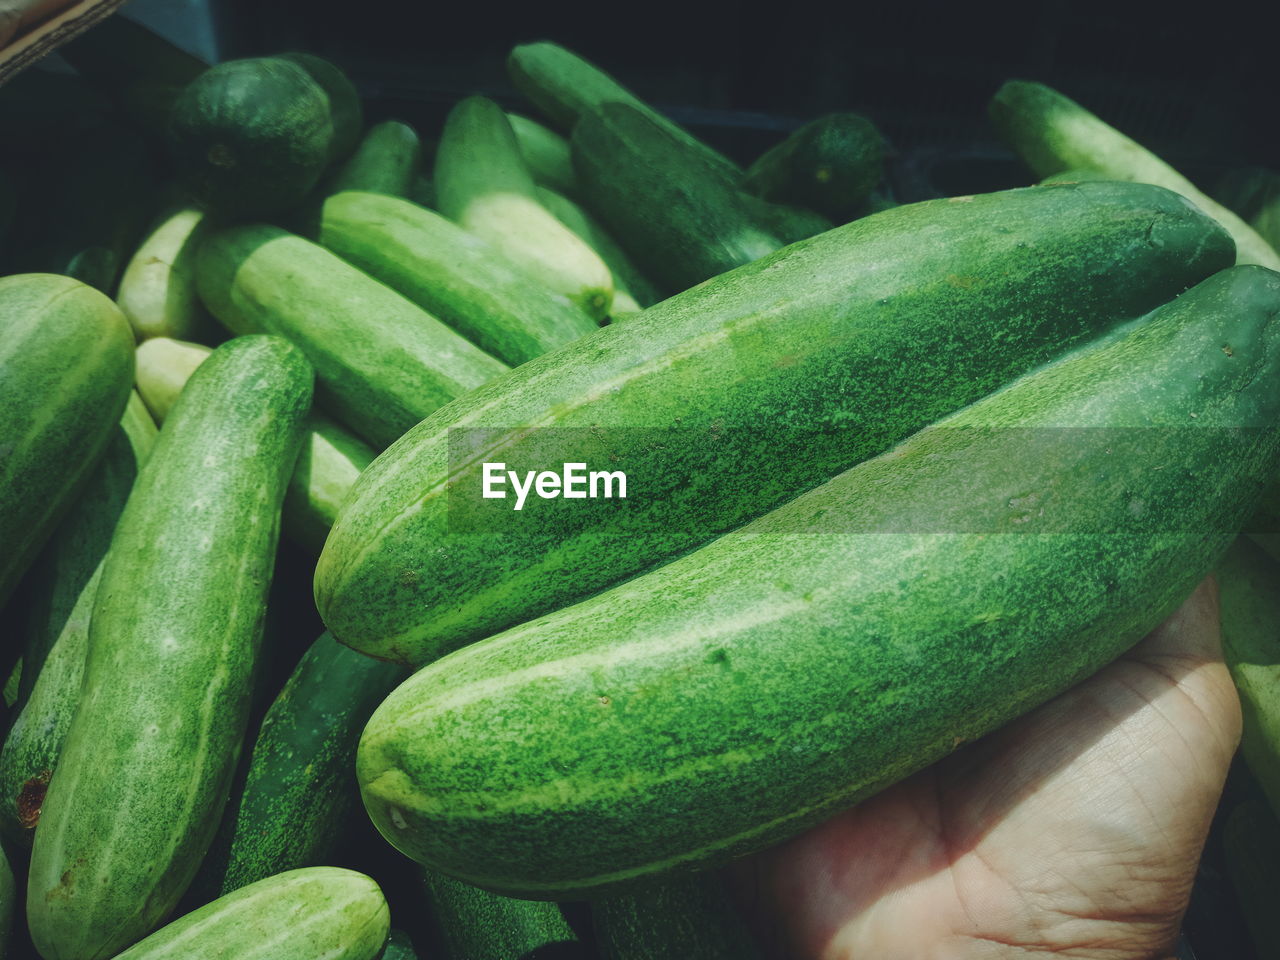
545, 153
328, 464
483, 185
385, 161
452, 274
1052, 133
852, 636
691, 917
66, 365
158, 290
475, 924
61, 589
382, 363
174, 637
318, 913
727, 400
301, 784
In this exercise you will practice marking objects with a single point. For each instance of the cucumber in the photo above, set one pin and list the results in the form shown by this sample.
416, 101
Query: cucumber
423, 191
564, 87
631, 291
1075, 175
318, 913
682, 220
691, 917
1254, 193
1249, 584
483, 185
830, 165
344, 102
66, 365
1052, 133
789, 224
301, 789
452, 275
144, 770
545, 153
385, 161
1251, 841
474, 924
330, 460
854, 635
252, 137
382, 363
727, 400
61, 589
158, 290
398, 947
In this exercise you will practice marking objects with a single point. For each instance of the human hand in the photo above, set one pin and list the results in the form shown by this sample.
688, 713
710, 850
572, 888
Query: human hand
1073, 832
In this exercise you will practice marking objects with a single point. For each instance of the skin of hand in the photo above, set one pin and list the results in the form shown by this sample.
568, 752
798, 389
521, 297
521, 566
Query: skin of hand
1074, 831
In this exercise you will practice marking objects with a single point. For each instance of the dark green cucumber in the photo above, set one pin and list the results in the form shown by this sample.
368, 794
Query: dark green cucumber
318, 913
483, 185
1249, 582
831, 165
330, 460
60, 593
423, 191
474, 924
687, 917
564, 87
1052, 133
725, 401
382, 363
344, 101
301, 787
788, 223
66, 366
398, 947
385, 161
451, 274
546, 154
252, 137
852, 636
173, 643
1251, 842
682, 220
1254, 193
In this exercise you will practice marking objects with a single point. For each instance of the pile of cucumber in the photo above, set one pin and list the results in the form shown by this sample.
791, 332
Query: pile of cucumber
897, 475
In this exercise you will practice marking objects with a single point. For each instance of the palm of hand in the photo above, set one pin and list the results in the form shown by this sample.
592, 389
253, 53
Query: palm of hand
1074, 831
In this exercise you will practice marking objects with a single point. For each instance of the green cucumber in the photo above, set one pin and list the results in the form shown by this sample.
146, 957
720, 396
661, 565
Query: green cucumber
398, 947
852, 636
252, 137
1052, 133
475, 924
144, 770
385, 161
382, 363
330, 460
545, 153
317, 913
788, 223
830, 164
631, 291
423, 191
1251, 843
344, 101
66, 365
1249, 582
484, 186
681, 219
564, 87
61, 589
301, 787
1075, 175
727, 400
1254, 193
158, 290
452, 275
690, 917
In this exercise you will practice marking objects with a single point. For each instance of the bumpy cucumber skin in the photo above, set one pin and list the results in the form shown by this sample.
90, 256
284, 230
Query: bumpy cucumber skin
1249, 583
798, 366
483, 185
475, 924
691, 917
1052, 132
683, 220
452, 274
300, 785
382, 363
316, 913
61, 588
852, 636
66, 366
385, 161
174, 635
